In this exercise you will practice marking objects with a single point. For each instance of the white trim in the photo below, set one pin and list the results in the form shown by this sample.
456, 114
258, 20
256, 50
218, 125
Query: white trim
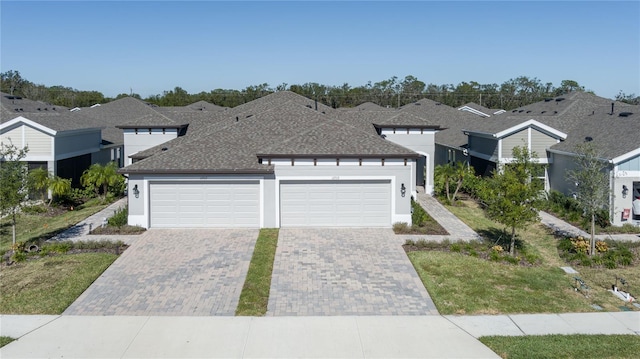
534, 123
500, 149
333, 161
538, 160
625, 156
27, 122
499, 112
625, 174
474, 111
262, 202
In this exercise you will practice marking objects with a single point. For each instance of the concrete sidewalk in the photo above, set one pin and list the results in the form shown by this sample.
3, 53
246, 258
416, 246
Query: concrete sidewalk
563, 228
80, 232
458, 230
288, 337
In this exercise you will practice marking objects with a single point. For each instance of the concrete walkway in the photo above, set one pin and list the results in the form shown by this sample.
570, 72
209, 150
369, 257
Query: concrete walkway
80, 232
563, 228
289, 337
458, 230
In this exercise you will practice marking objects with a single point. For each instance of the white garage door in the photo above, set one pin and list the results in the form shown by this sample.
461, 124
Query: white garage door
335, 203
212, 204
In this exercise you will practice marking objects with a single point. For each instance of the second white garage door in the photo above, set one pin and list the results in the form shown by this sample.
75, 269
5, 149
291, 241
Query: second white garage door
205, 204
335, 203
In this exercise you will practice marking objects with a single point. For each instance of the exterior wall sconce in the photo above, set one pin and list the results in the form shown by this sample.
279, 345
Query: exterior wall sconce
625, 191
136, 191
403, 190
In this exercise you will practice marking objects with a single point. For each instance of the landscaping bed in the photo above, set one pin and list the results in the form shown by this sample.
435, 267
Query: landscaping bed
477, 278
423, 224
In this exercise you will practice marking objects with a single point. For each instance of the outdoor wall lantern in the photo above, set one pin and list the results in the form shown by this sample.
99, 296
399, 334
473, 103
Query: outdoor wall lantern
403, 190
625, 191
136, 191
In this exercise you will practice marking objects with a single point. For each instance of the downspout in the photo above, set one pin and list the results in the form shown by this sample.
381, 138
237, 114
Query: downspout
612, 186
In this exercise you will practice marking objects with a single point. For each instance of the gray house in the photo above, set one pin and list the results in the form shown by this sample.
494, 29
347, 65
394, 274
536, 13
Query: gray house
64, 142
274, 162
552, 128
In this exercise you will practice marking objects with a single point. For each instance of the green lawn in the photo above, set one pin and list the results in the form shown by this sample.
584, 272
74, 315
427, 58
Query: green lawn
255, 292
50, 284
461, 284
565, 346
32, 227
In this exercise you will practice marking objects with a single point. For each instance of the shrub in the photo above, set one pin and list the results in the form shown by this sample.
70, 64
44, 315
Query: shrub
495, 256
120, 218
601, 246
19, 256
580, 244
58, 247
36, 209
418, 215
401, 228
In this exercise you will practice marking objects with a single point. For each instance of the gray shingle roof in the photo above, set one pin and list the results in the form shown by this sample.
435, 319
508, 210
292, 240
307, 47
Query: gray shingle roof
579, 115
613, 135
18, 104
64, 121
285, 126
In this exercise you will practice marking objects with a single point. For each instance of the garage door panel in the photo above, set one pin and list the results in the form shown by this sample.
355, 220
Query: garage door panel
205, 204
335, 203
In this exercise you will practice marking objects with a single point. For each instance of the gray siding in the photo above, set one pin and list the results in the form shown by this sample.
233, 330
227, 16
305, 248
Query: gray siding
632, 164
487, 146
14, 136
76, 144
514, 140
540, 142
39, 142
557, 173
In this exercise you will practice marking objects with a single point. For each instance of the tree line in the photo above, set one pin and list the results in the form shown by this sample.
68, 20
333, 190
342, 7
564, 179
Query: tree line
393, 92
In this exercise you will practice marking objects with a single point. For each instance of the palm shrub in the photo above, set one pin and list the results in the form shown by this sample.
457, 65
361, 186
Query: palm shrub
98, 177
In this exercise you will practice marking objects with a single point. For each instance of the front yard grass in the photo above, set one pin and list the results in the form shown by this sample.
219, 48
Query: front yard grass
565, 346
255, 292
36, 227
50, 284
463, 284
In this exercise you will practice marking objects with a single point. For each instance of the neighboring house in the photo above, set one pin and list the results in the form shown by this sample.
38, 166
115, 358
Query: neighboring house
63, 142
274, 162
480, 110
552, 128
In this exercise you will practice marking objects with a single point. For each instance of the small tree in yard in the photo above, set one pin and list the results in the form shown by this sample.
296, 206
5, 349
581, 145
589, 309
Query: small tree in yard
511, 195
97, 176
449, 175
592, 188
13, 182
42, 181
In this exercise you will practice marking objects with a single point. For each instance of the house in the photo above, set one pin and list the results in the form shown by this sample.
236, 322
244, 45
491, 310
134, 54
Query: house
279, 161
61, 141
480, 110
552, 128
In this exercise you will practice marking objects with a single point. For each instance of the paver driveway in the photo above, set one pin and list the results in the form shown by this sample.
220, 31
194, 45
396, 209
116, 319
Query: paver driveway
332, 271
173, 272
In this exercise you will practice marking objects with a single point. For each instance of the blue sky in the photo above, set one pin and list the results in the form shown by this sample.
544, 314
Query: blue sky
153, 46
